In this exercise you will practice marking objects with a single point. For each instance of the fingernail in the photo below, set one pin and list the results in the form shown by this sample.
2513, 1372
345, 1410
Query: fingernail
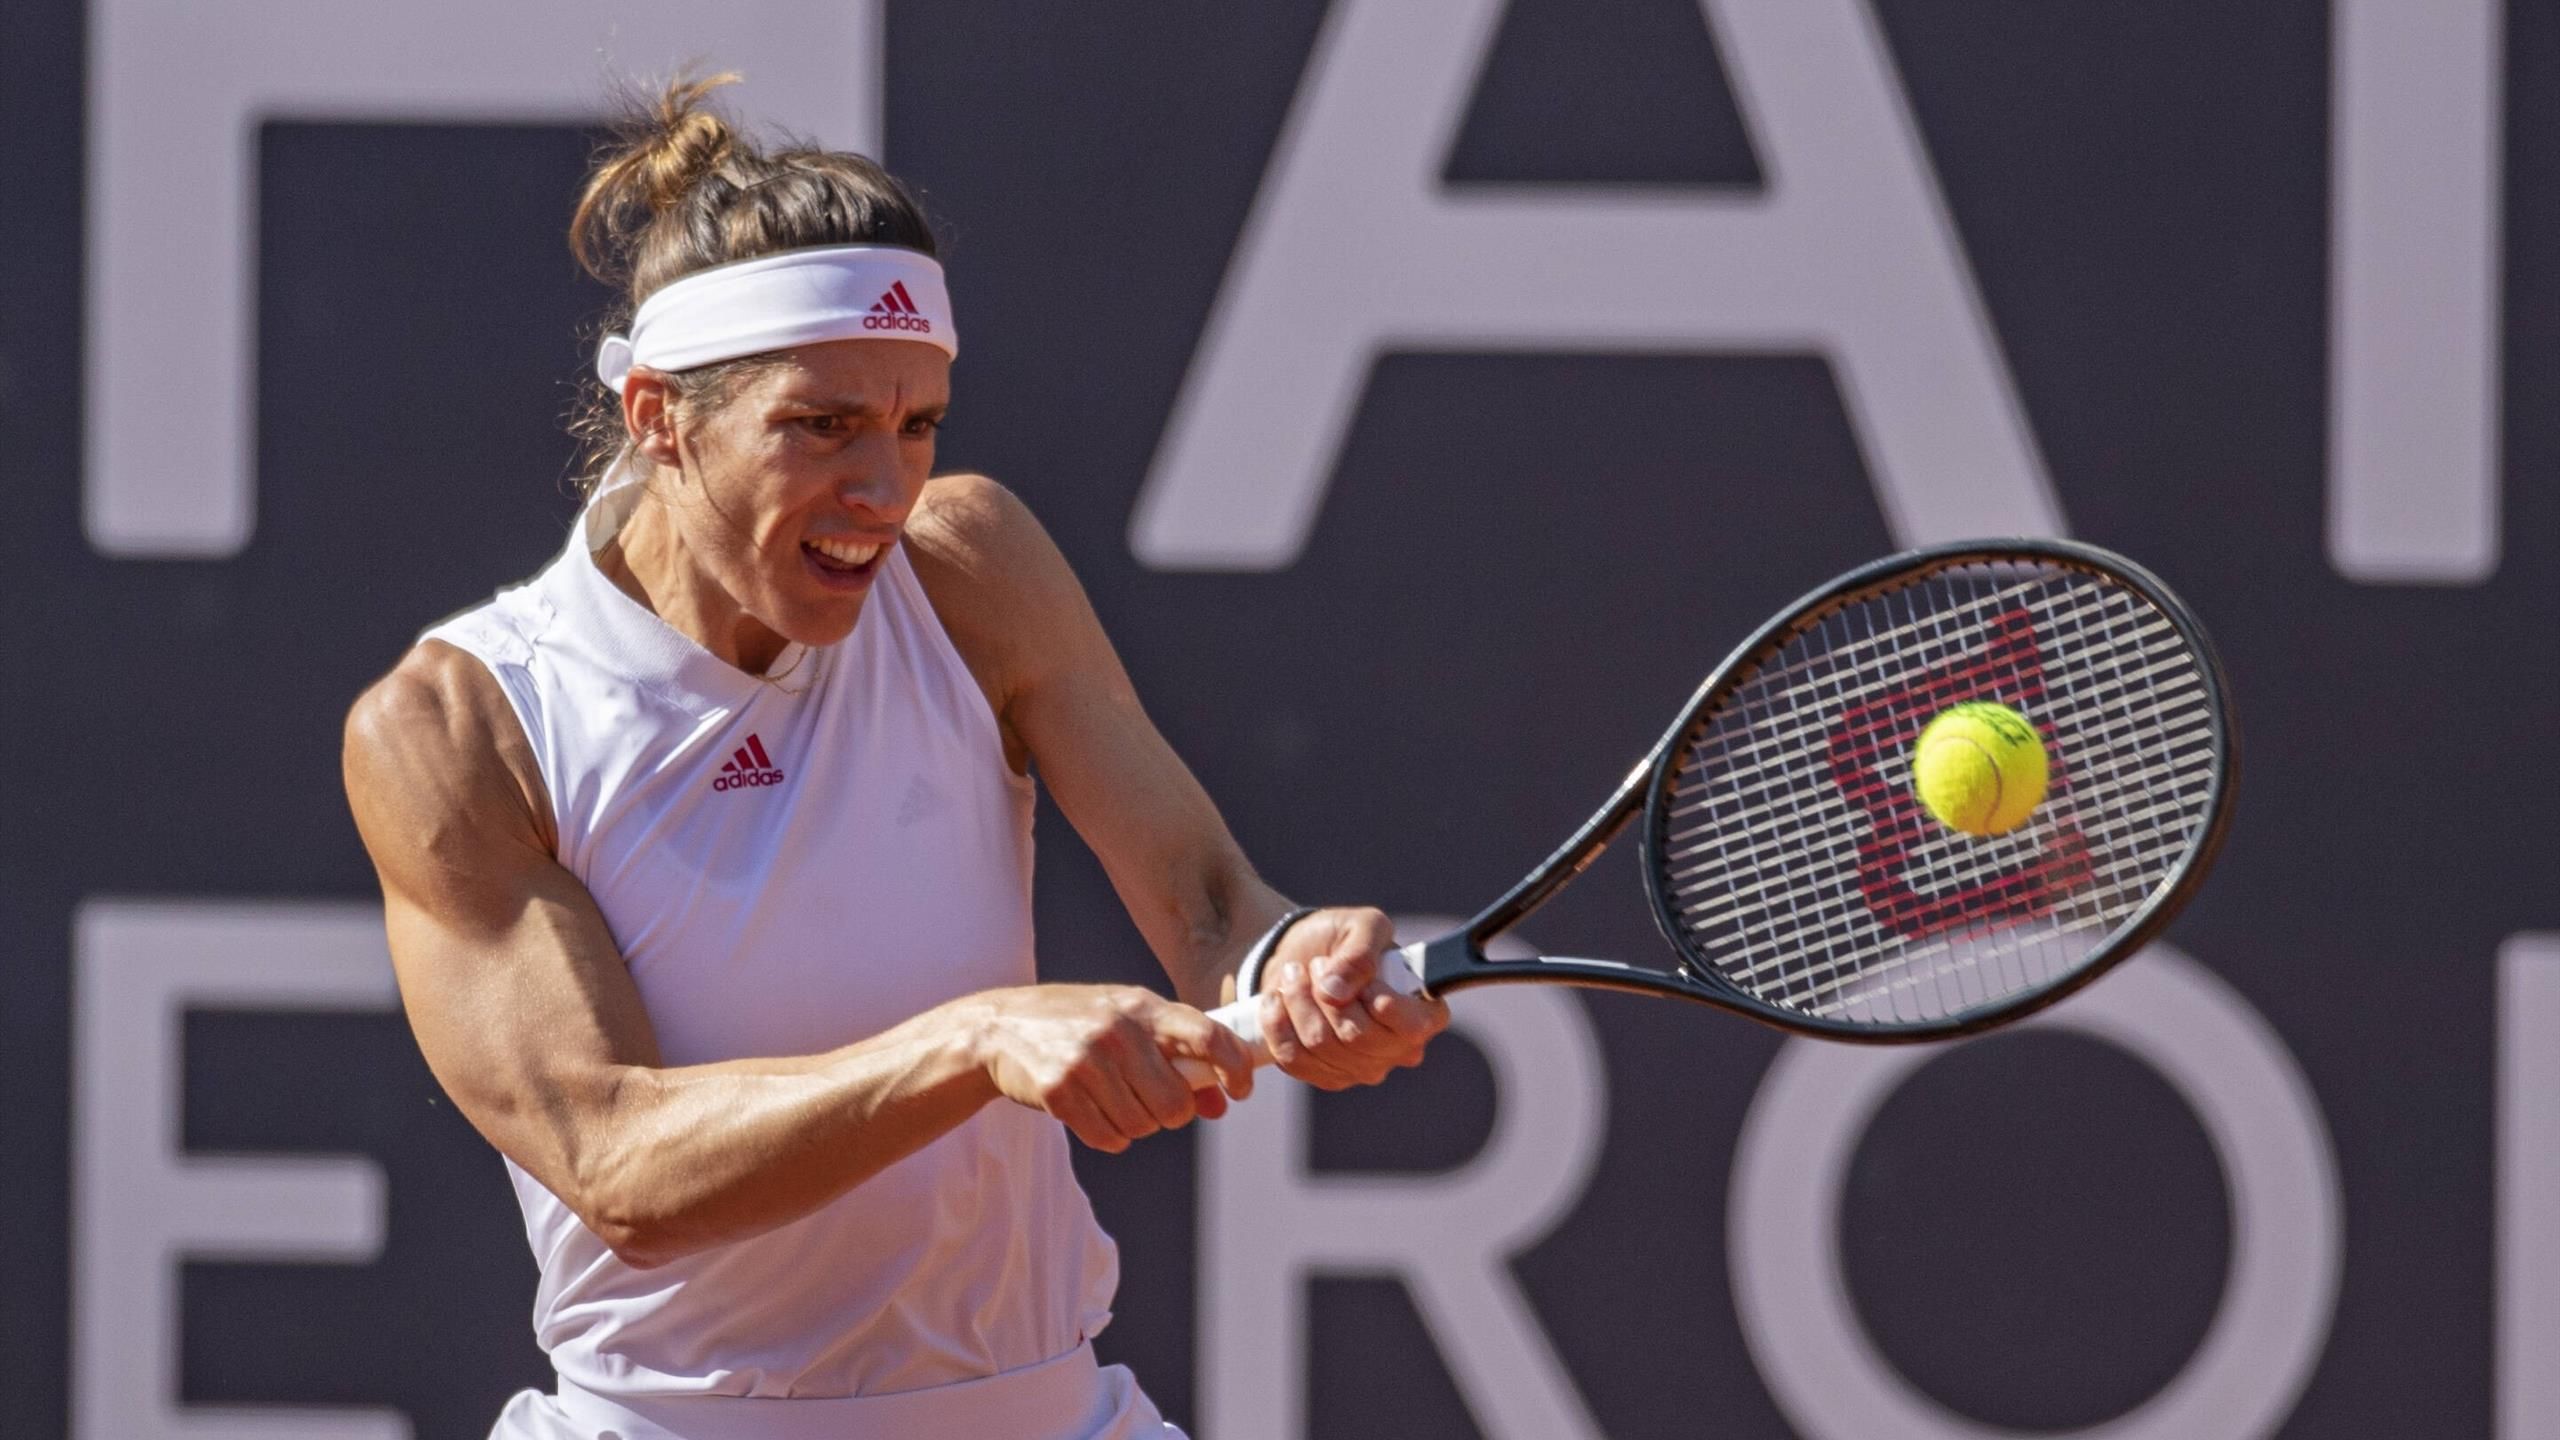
1289, 972
1336, 986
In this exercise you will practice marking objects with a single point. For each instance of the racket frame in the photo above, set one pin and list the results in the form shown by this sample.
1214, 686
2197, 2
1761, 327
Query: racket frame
1457, 961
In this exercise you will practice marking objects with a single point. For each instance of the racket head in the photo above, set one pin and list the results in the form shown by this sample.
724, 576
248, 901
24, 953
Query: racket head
1796, 873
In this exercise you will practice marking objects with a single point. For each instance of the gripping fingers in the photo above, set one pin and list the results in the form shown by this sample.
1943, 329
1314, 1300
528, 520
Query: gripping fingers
1338, 981
1304, 1023
1121, 1109
1408, 1017
1152, 1080
1206, 1054
1075, 1110
1292, 1024
1279, 1035
1233, 1058
1349, 1025
1228, 1057
1411, 1021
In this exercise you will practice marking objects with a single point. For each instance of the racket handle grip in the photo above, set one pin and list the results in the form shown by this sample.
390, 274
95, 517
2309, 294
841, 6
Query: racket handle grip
1399, 970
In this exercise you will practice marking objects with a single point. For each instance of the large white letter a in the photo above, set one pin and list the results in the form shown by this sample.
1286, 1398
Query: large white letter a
1355, 246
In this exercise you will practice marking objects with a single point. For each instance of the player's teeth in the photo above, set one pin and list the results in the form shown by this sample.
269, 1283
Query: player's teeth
845, 554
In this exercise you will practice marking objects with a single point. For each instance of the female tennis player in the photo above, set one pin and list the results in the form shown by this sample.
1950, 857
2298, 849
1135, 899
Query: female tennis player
706, 856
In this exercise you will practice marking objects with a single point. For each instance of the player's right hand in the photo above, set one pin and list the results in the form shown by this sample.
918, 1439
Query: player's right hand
1100, 1058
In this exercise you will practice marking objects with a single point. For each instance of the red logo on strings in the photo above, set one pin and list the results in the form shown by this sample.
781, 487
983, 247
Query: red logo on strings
2011, 667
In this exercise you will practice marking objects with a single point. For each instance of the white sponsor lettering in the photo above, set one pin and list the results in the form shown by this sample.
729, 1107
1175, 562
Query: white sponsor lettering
176, 92
142, 1206
1848, 253
2418, 110
2207, 1041
2528, 1179
1269, 1223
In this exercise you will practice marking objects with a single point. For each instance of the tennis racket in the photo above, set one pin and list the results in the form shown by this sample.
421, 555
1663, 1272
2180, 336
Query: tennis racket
1796, 874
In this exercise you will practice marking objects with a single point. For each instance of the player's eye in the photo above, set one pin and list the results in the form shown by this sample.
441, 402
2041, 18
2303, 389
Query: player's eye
923, 425
823, 424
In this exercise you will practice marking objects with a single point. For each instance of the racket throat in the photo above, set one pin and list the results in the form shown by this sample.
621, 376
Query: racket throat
1456, 962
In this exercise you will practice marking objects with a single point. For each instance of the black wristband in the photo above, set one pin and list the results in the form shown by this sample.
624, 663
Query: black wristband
1249, 974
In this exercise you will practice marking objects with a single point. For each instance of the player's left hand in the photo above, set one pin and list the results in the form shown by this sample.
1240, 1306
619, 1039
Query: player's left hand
1327, 1017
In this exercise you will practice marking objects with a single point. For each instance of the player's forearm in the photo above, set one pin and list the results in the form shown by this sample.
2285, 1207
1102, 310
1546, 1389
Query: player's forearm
688, 1158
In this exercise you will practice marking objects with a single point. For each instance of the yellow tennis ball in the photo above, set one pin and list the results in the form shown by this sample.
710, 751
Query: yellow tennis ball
1980, 768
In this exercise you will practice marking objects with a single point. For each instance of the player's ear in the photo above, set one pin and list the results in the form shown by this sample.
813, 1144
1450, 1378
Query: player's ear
649, 417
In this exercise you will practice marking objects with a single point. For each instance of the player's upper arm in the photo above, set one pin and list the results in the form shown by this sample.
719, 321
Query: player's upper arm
1015, 610
510, 978
1010, 603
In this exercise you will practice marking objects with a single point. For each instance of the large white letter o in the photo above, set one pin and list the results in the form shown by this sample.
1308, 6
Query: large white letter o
1793, 1298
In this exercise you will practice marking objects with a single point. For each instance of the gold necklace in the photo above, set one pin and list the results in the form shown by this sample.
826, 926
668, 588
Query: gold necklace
792, 669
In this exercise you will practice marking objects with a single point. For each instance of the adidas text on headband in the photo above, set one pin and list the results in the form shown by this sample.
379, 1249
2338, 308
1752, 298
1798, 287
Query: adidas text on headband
799, 297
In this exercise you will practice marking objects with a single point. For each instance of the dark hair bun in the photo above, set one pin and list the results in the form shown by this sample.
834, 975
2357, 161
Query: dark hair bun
679, 188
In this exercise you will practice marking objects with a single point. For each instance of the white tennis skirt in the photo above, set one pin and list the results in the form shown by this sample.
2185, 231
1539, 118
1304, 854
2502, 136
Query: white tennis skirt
1070, 1398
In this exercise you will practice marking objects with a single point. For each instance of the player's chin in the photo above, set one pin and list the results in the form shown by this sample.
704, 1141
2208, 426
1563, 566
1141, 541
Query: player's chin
813, 626
814, 617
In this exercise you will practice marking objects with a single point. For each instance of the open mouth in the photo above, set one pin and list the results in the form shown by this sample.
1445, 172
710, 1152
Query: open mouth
842, 564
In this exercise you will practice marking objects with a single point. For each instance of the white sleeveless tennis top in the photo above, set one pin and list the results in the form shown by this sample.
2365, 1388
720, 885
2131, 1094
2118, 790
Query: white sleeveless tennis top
790, 864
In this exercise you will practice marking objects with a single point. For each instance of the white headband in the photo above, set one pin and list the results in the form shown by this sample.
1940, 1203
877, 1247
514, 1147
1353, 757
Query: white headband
800, 297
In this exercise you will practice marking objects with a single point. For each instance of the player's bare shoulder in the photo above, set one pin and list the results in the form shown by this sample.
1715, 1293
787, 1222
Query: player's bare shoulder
971, 528
1002, 589
433, 751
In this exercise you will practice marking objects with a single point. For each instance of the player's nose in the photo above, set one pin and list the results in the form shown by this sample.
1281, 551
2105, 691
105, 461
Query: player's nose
871, 480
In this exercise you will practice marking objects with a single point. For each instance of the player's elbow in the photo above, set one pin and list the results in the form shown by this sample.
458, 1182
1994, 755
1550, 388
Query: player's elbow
612, 1175
645, 1237
637, 1242
633, 1222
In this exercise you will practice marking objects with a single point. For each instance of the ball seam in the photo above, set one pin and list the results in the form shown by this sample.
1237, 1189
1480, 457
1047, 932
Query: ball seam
1997, 779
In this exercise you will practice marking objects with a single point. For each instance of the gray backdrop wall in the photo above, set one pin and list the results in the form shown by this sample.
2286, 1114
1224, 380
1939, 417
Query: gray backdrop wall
1411, 537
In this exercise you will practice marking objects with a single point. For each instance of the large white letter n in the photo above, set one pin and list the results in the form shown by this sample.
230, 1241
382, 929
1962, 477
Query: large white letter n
1355, 246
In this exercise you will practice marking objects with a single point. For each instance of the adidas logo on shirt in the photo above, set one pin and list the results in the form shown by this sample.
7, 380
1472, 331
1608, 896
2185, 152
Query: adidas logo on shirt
749, 767
896, 311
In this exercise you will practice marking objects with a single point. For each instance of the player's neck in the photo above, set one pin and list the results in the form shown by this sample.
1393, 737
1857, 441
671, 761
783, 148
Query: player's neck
648, 560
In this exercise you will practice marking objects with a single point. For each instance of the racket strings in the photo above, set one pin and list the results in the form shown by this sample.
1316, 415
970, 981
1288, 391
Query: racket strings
1783, 778
2096, 891
2115, 888
1801, 866
2125, 870
1697, 854
1743, 711
2104, 891
2169, 664
1709, 839
1836, 982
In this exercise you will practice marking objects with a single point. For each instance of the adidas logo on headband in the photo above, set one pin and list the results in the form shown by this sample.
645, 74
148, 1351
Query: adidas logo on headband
797, 297
895, 311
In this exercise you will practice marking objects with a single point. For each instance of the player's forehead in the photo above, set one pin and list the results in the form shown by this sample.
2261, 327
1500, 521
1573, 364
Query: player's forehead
862, 375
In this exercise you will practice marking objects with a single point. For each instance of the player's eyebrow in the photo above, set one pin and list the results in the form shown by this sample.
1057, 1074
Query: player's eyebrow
834, 404
862, 407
